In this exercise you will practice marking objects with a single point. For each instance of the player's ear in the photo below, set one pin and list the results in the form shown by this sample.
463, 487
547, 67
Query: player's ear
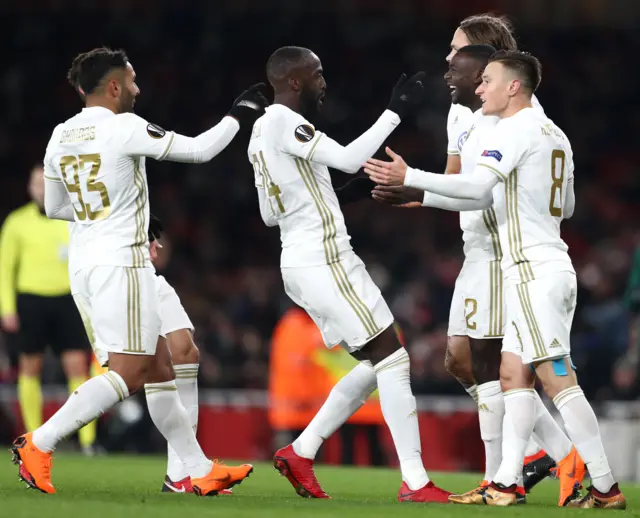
294, 84
514, 87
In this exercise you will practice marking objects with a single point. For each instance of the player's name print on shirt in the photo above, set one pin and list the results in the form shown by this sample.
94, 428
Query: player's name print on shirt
78, 134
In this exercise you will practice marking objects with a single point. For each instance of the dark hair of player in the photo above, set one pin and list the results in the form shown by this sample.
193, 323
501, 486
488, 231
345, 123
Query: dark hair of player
489, 29
526, 67
283, 60
90, 68
480, 53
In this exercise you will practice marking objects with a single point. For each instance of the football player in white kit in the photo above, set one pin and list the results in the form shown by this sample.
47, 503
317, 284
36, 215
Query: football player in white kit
177, 330
478, 300
95, 176
320, 271
496, 31
525, 171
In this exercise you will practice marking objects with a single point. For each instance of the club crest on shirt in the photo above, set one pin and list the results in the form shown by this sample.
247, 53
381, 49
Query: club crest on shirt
155, 131
462, 139
493, 153
304, 133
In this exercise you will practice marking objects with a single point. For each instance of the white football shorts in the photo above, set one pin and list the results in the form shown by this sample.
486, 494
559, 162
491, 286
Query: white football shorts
539, 315
173, 315
342, 300
120, 309
478, 303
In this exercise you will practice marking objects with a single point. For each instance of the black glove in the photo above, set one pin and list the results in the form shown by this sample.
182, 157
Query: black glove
250, 104
407, 94
155, 228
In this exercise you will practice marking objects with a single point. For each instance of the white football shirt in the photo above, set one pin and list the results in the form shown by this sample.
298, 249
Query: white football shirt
299, 193
533, 160
100, 158
479, 229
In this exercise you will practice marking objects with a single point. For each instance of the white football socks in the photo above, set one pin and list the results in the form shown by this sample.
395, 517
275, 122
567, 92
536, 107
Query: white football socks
88, 402
548, 434
171, 418
346, 397
582, 426
187, 383
519, 418
491, 415
473, 392
401, 415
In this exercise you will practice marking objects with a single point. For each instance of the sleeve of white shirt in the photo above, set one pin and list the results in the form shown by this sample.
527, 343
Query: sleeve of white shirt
455, 204
300, 139
502, 150
141, 138
570, 196
266, 209
57, 203
452, 131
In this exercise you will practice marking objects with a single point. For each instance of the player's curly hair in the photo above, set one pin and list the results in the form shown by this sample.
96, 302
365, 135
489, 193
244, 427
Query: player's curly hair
90, 68
526, 66
489, 29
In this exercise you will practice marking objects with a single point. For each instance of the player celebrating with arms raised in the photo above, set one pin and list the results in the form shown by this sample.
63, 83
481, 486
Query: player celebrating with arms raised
526, 166
322, 274
95, 177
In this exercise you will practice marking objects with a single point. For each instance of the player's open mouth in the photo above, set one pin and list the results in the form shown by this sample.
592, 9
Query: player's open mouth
453, 89
321, 100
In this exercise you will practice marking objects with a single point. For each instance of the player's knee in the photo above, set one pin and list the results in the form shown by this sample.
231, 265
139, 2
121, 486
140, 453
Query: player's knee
556, 376
381, 347
133, 369
513, 374
182, 347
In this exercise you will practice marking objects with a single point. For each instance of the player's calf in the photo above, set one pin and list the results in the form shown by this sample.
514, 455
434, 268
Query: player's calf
458, 362
560, 383
485, 356
391, 364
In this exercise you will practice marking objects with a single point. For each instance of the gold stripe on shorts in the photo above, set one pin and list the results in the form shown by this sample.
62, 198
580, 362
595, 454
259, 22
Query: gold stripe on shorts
331, 249
532, 324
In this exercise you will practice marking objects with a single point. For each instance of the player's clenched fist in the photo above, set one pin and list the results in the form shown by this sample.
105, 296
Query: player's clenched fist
407, 94
250, 104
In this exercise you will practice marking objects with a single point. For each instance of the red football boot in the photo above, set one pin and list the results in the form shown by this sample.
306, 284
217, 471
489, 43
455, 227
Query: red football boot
427, 493
299, 473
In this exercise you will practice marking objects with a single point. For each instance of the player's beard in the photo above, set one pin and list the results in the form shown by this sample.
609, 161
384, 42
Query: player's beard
309, 104
126, 102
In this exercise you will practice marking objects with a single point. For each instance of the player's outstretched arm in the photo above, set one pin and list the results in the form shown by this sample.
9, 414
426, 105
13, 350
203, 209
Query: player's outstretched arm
150, 140
476, 186
319, 148
409, 197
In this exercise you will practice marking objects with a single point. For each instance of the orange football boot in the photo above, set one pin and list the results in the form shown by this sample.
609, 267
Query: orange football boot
220, 478
570, 471
34, 464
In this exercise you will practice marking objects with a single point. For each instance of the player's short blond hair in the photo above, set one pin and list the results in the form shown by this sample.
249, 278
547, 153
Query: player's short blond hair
489, 29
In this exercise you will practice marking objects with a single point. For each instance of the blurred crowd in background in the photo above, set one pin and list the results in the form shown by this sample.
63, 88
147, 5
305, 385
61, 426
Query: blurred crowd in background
222, 260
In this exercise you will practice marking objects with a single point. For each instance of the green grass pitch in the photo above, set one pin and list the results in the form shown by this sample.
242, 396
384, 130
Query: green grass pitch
121, 486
